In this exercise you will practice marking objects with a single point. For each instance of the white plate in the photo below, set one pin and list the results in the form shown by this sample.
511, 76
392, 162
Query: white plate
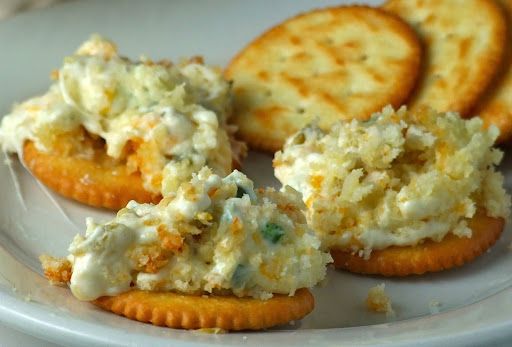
476, 301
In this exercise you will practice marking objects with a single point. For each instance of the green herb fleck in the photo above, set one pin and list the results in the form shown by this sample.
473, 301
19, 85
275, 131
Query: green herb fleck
240, 276
272, 232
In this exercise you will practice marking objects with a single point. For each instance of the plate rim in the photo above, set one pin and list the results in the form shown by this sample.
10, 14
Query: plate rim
28, 317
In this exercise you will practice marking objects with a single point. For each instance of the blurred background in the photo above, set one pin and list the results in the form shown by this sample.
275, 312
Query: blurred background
10, 7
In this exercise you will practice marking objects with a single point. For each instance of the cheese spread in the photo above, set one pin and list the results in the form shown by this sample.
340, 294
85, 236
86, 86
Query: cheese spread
397, 179
215, 235
165, 121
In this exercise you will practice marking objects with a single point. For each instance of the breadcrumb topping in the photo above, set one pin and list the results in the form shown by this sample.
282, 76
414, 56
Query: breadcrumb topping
396, 179
162, 121
57, 270
214, 235
378, 301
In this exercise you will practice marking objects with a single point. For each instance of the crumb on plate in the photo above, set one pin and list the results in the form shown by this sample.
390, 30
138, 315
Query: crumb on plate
378, 301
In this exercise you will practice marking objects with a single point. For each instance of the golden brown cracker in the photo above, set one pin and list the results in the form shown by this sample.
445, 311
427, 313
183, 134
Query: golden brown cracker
464, 45
430, 256
100, 182
496, 106
336, 63
200, 312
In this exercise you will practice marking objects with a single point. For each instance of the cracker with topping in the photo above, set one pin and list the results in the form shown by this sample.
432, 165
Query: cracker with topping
406, 192
215, 254
428, 256
110, 130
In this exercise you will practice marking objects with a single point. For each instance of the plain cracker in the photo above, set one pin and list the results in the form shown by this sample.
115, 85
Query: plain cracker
201, 312
429, 256
496, 106
328, 64
464, 45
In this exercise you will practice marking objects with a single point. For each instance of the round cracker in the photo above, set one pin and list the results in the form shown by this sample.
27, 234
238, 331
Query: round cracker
201, 312
429, 256
100, 183
496, 106
464, 45
327, 64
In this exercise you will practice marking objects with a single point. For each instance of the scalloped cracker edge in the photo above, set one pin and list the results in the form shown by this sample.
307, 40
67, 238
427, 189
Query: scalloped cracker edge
208, 311
430, 256
86, 181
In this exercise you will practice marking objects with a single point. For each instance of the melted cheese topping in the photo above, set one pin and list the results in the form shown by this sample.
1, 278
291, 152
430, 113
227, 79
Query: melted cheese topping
396, 179
165, 121
214, 235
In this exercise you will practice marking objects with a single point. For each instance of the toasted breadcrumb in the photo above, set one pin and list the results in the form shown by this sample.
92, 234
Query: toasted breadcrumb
56, 270
378, 301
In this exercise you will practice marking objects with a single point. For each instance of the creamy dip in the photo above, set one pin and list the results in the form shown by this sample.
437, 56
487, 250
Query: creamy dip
213, 235
397, 179
165, 121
